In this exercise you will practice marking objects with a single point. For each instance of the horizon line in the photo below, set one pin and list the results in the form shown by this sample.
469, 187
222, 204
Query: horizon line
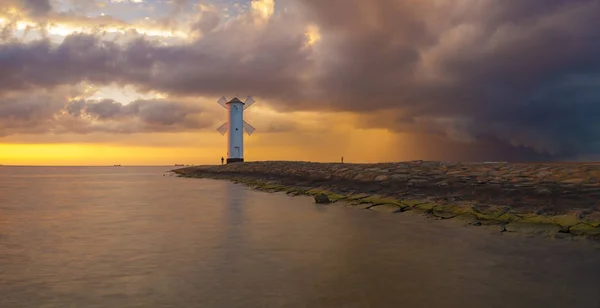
121, 165
346, 162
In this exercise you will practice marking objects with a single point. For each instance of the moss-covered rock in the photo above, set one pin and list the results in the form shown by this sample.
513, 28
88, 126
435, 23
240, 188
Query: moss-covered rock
489, 211
536, 219
356, 197
386, 208
567, 220
583, 229
377, 200
506, 217
335, 197
533, 228
425, 207
448, 210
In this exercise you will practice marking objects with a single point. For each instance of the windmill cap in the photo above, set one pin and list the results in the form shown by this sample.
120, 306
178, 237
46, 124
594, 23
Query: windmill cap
235, 100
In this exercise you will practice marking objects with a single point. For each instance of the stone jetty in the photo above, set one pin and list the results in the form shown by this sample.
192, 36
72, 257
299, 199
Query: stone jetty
553, 199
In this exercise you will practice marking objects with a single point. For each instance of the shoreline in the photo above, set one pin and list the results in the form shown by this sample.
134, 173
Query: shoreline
548, 199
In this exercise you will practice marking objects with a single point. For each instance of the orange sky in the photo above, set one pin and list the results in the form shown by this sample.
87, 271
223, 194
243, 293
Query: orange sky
355, 145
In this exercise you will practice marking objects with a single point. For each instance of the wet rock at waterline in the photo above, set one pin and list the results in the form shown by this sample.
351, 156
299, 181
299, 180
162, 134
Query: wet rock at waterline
322, 199
544, 198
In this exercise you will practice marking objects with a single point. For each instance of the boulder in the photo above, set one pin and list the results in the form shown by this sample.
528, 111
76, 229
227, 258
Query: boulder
322, 198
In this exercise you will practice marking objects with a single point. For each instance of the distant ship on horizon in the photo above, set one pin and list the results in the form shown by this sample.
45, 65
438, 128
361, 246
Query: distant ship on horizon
117, 165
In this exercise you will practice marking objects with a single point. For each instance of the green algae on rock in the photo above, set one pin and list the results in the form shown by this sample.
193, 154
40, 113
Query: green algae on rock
547, 199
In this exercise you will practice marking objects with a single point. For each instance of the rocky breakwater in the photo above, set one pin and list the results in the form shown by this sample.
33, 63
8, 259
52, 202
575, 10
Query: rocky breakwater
553, 199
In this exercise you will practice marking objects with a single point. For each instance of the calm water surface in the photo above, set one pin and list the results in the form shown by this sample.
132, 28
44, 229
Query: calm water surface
131, 237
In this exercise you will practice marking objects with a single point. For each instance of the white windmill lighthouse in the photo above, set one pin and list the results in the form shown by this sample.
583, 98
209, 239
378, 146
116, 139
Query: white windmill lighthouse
235, 126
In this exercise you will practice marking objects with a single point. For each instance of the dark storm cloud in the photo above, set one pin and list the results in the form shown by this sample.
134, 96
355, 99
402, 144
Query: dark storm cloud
49, 112
210, 66
78, 58
37, 7
522, 73
142, 115
104, 109
28, 113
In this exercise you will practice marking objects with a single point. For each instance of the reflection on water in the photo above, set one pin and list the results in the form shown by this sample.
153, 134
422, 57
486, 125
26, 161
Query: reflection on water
131, 237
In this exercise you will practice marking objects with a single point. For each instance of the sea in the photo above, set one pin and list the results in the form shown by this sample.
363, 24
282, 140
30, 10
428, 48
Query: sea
142, 237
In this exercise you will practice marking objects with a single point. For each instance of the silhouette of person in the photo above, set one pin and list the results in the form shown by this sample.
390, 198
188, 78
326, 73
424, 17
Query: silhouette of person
222, 160
342, 159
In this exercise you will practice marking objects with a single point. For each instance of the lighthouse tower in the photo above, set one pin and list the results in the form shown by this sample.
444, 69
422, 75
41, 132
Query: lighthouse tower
236, 127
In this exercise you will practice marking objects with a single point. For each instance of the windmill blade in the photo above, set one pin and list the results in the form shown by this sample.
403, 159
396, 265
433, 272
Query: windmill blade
249, 101
248, 128
223, 128
223, 102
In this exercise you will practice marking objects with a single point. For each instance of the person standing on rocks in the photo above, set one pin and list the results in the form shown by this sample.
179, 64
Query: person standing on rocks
342, 159
222, 160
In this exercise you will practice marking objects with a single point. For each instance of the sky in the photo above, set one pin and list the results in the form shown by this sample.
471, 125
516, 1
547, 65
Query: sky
103, 82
